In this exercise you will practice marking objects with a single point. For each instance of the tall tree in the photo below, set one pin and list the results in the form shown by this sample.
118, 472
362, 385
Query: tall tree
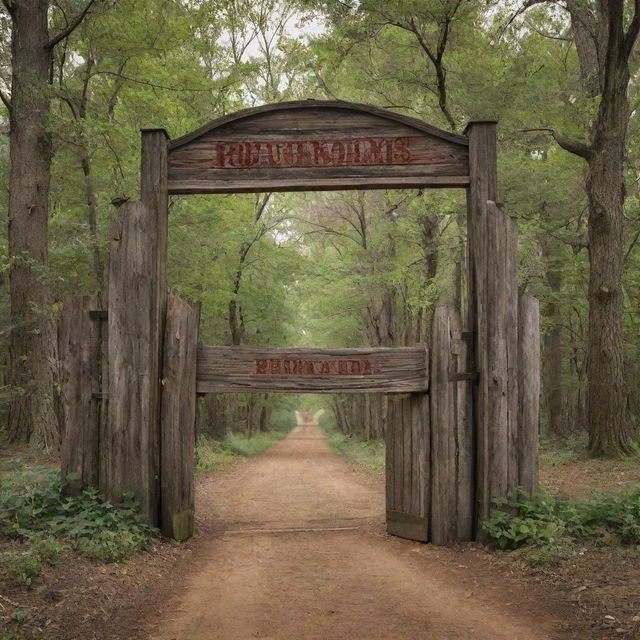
32, 347
605, 33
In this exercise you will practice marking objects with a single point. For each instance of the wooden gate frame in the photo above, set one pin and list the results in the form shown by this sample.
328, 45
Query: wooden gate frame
150, 373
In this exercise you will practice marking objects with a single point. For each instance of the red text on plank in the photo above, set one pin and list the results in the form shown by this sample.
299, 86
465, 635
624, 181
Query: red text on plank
287, 366
316, 153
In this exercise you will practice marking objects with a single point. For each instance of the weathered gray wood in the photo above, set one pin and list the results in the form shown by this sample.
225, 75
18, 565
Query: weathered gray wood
483, 187
79, 348
130, 446
315, 145
407, 466
529, 391
497, 358
451, 436
368, 370
178, 419
154, 195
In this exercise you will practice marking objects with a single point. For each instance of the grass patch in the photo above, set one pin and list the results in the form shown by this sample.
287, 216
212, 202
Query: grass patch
212, 455
46, 524
369, 453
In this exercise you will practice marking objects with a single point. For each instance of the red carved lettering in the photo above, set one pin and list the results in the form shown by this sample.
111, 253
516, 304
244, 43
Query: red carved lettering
262, 366
401, 152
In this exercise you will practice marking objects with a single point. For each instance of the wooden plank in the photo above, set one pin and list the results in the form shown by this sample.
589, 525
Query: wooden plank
178, 419
185, 187
283, 111
529, 391
79, 348
154, 194
295, 370
130, 446
483, 187
451, 438
407, 466
497, 359
325, 145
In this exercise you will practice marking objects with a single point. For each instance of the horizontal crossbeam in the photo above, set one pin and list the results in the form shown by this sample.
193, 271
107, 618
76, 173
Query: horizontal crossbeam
303, 370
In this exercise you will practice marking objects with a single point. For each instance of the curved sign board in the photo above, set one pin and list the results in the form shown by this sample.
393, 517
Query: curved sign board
314, 145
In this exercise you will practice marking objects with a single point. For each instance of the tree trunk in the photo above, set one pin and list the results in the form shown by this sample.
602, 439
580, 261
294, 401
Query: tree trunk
610, 432
32, 344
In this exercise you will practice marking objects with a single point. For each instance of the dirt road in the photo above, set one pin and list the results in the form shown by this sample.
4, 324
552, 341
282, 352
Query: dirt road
299, 552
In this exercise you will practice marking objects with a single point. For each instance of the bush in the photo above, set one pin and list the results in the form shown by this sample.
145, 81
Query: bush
543, 520
35, 510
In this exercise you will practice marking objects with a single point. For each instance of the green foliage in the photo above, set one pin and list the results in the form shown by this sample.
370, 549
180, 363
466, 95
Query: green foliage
369, 453
22, 566
545, 521
212, 455
35, 510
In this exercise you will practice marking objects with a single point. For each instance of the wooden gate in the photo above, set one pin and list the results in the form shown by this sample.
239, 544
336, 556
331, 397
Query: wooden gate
461, 424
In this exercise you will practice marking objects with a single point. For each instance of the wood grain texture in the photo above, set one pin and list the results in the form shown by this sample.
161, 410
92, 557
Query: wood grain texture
79, 348
178, 419
452, 509
313, 145
131, 444
497, 353
154, 195
483, 187
407, 466
528, 391
296, 370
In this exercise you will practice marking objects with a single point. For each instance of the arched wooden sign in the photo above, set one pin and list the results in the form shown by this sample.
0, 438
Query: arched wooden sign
316, 145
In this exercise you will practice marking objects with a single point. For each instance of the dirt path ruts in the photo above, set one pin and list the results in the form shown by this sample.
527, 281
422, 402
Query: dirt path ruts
299, 552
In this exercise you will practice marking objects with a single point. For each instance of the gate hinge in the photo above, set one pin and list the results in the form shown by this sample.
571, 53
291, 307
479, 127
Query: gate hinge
99, 395
98, 314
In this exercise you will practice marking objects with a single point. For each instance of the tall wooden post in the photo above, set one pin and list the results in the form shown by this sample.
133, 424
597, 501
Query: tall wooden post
154, 194
492, 317
136, 312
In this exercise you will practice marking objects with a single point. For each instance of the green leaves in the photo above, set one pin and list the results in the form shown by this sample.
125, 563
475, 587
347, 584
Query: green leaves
543, 520
35, 510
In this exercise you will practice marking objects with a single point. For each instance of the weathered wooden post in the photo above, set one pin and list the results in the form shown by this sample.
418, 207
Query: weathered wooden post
178, 419
136, 312
80, 339
493, 319
528, 391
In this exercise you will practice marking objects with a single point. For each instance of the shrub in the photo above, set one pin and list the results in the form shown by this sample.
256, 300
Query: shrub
544, 520
35, 509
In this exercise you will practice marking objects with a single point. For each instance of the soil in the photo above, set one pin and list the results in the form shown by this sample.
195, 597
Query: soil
580, 478
292, 545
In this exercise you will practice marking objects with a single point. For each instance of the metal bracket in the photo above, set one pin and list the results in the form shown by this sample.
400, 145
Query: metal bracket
98, 314
99, 395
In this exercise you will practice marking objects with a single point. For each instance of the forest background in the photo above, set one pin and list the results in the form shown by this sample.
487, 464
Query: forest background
344, 268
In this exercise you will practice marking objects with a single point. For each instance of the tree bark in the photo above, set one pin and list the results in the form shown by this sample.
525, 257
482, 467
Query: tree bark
32, 343
610, 431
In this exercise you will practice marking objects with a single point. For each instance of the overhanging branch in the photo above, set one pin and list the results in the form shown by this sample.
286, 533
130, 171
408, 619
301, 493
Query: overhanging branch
572, 146
72, 26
